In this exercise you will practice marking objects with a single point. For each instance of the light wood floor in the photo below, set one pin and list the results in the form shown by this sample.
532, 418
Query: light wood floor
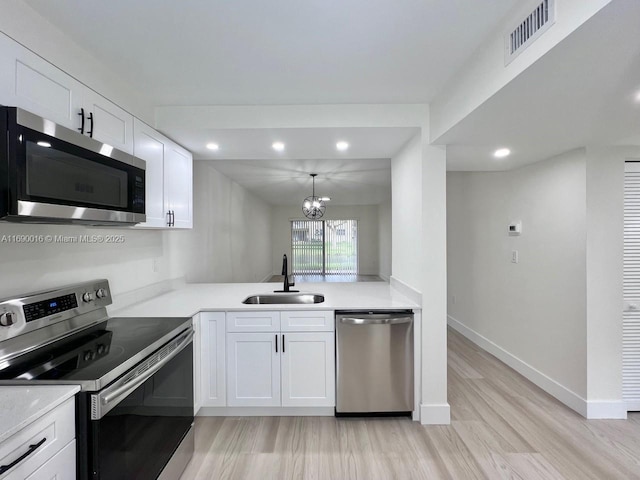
503, 427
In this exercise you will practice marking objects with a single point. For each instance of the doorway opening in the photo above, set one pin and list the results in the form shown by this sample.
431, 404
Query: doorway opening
324, 248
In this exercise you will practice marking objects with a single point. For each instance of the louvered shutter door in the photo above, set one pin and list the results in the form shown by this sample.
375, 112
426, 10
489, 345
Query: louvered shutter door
631, 317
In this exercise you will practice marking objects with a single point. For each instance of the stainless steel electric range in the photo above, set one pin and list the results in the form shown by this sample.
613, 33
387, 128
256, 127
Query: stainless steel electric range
134, 414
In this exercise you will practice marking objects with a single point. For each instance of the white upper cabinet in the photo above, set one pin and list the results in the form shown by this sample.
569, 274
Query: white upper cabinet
149, 145
178, 184
30, 82
169, 178
107, 122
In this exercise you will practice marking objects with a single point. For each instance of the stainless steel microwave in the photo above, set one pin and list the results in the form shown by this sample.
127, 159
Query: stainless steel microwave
52, 174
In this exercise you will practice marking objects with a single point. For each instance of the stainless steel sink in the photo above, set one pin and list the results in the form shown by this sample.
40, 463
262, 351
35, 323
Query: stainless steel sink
267, 299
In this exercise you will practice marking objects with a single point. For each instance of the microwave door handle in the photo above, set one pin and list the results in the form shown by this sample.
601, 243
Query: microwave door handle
107, 399
90, 132
81, 129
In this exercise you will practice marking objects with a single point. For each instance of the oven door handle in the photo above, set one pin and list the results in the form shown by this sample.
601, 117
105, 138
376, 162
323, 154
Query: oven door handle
109, 396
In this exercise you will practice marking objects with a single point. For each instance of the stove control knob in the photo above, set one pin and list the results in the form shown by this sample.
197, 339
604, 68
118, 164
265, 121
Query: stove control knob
88, 355
101, 293
6, 319
101, 349
87, 297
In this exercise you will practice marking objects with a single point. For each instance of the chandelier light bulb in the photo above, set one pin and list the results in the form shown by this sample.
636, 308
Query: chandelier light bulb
313, 207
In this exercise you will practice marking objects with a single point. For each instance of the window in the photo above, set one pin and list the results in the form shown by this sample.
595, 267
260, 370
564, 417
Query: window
324, 247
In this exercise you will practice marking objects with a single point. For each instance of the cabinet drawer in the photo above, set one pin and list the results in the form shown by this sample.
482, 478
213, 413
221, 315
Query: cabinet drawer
307, 321
253, 321
62, 466
57, 428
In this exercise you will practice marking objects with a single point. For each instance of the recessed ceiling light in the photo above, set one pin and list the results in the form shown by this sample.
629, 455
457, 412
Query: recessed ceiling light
342, 146
44, 144
638, 96
213, 146
502, 152
278, 146
325, 199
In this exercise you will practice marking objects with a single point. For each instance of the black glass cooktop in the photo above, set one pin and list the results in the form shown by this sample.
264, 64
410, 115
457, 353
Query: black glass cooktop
96, 356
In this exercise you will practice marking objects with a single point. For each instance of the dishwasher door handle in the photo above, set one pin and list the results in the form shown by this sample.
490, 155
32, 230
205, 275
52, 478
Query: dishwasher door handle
375, 321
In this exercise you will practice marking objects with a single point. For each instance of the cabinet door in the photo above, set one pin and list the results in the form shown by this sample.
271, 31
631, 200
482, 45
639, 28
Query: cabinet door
62, 466
178, 167
30, 82
149, 145
253, 373
308, 369
111, 124
212, 359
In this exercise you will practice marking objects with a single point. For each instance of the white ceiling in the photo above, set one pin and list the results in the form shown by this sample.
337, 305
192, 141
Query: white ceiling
300, 143
585, 91
287, 182
204, 52
251, 52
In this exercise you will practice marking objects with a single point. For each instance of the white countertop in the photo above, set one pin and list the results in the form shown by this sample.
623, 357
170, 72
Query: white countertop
193, 298
23, 405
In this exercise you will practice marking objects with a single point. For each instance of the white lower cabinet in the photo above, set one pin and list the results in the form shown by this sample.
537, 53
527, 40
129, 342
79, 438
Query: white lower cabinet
62, 466
279, 368
44, 449
308, 369
197, 364
212, 359
253, 370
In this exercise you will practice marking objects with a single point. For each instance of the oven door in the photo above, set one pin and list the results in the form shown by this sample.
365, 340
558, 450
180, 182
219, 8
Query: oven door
138, 421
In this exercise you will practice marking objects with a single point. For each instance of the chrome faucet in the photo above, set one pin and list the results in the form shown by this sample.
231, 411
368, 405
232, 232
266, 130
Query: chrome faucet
286, 286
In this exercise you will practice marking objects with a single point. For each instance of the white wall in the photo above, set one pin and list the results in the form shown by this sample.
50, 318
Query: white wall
406, 201
605, 262
231, 236
384, 238
536, 309
40, 264
368, 242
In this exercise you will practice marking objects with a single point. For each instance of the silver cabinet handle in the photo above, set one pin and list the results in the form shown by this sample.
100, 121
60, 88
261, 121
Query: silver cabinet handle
375, 321
106, 397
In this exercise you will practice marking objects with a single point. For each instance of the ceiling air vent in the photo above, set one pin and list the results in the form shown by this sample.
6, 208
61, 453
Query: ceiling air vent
529, 29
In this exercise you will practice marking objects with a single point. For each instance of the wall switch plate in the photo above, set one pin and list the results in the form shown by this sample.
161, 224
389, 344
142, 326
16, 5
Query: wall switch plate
453, 299
514, 256
155, 265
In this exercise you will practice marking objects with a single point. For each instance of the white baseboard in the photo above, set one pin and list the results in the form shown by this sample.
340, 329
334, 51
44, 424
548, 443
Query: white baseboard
606, 409
266, 412
435, 414
406, 290
566, 396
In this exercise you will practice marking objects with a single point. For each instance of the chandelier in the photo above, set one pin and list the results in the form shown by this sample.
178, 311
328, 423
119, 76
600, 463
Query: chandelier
313, 207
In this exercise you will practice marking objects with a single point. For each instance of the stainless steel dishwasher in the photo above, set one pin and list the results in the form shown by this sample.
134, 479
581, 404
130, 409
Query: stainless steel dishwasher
374, 362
